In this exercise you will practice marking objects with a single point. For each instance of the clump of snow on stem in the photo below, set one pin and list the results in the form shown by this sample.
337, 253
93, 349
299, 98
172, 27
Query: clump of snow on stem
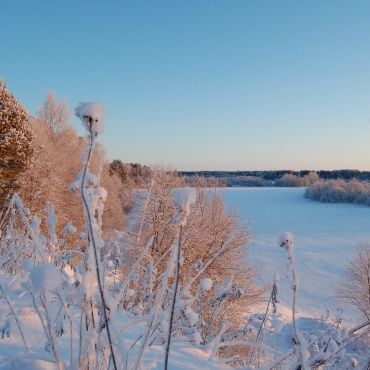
74, 185
184, 199
101, 193
92, 116
69, 228
205, 284
90, 180
286, 240
191, 315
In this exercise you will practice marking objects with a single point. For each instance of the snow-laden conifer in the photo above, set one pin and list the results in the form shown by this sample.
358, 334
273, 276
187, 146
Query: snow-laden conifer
15, 142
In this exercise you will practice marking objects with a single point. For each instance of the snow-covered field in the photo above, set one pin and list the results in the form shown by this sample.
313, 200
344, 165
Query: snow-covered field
326, 237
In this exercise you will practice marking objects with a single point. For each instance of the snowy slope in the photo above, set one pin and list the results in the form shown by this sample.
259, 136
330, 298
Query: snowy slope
326, 236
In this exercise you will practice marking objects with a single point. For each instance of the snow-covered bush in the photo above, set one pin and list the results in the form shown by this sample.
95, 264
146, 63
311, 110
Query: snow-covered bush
56, 159
339, 191
297, 181
215, 284
355, 288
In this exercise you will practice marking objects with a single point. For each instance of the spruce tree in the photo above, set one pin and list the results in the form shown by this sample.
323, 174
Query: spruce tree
15, 142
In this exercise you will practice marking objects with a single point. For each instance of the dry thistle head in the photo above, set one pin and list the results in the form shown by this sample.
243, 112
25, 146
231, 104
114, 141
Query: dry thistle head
286, 240
184, 199
92, 116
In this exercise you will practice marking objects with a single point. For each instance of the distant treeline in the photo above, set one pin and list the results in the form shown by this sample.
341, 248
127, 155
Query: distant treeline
276, 178
135, 174
274, 175
339, 191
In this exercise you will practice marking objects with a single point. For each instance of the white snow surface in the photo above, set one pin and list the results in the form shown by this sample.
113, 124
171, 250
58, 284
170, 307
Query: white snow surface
45, 277
326, 237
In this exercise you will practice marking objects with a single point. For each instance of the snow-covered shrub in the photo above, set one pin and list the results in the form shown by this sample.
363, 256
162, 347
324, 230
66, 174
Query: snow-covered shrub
56, 159
22, 238
355, 287
215, 284
339, 191
291, 180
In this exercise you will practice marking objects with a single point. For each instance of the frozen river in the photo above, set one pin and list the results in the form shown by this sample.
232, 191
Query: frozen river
326, 237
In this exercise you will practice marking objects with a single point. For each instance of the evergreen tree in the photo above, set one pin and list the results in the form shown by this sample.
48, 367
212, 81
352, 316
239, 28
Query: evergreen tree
15, 141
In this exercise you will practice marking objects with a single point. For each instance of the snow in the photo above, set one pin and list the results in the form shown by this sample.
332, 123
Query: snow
184, 199
74, 185
206, 284
191, 315
27, 363
354, 362
45, 277
92, 116
70, 228
101, 193
325, 238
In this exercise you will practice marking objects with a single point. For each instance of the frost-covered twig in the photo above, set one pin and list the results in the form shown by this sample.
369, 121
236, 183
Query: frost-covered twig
157, 303
271, 299
15, 318
278, 362
359, 327
91, 115
173, 300
217, 339
205, 267
144, 210
286, 241
47, 332
186, 199
51, 335
325, 361
66, 310
323, 334
17, 201
122, 292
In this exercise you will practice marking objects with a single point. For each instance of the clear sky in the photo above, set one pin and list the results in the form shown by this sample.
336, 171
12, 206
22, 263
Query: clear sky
203, 84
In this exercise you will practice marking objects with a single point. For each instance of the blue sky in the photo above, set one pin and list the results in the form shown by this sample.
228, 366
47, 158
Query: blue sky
203, 84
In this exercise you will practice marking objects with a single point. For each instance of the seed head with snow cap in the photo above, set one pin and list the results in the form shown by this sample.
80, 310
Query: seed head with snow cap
286, 240
184, 199
92, 116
